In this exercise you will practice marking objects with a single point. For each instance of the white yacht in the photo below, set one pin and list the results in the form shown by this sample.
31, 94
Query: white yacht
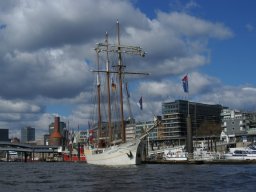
175, 154
241, 153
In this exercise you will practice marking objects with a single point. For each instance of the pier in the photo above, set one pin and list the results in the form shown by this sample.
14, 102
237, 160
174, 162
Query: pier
219, 161
27, 151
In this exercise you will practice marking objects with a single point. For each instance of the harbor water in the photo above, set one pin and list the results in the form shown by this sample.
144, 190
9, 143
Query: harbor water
43, 176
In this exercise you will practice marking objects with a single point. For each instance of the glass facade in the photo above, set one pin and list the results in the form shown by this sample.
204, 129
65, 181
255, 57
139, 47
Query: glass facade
27, 134
175, 114
4, 134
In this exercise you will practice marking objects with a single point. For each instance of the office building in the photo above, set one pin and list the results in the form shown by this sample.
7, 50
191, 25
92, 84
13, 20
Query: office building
175, 114
234, 122
4, 135
238, 126
27, 134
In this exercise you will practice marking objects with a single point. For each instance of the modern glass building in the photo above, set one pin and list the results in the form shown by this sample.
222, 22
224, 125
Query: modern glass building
4, 134
27, 134
175, 114
142, 127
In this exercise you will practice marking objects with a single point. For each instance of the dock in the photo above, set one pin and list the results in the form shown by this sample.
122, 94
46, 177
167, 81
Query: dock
219, 161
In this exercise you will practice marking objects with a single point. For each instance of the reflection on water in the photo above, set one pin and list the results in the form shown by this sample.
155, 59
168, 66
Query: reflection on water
82, 177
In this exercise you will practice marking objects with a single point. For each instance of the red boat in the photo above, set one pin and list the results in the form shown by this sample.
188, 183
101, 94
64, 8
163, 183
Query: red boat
74, 156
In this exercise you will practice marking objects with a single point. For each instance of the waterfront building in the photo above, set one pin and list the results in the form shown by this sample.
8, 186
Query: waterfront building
62, 128
80, 136
83, 136
15, 140
174, 118
142, 127
238, 126
251, 130
27, 134
130, 131
4, 135
46, 139
233, 122
55, 136
64, 132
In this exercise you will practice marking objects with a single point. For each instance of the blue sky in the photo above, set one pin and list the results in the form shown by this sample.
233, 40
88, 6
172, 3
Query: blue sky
233, 60
46, 55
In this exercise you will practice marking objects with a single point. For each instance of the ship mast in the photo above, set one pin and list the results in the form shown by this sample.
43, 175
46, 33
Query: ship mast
119, 49
108, 92
99, 106
128, 100
120, 71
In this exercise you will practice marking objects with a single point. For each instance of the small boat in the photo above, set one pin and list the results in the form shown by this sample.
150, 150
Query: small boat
202, 152
74, 156
175, 154
205, 155
241, 153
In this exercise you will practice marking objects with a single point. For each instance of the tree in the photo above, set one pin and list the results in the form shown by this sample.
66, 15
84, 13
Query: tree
208, 128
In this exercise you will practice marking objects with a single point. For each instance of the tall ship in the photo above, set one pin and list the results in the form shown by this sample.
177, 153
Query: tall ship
112, 147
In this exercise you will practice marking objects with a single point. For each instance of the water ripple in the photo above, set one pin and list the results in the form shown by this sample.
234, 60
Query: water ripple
82, 177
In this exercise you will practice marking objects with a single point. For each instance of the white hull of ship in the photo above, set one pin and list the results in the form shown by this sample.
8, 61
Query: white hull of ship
240, 154
129, 153
175, 158
239, 157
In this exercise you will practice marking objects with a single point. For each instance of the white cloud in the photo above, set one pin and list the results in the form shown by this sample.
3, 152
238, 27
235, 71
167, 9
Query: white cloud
176, 42
249, 89
18, 107
249, 27
194, 27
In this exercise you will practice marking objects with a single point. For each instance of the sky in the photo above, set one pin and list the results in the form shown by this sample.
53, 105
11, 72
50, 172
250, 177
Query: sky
47, 54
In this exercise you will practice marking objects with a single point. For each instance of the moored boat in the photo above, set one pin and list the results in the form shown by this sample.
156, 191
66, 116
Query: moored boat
175, 154
74, 156
129, 153
241, 153
201, 154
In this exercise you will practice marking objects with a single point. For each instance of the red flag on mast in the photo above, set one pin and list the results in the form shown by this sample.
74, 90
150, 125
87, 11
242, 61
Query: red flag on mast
185, 83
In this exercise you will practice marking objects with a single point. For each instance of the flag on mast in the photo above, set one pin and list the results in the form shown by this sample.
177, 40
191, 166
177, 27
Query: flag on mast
127, 91
140, 103
113, 85
3, 26
185, 83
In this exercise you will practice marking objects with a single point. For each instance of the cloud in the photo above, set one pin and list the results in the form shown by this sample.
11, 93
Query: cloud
199, 84
7, 106
249, 89
249, 27
191, 5
191, 26
176, 42
2, 26
46, 73
50, 24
